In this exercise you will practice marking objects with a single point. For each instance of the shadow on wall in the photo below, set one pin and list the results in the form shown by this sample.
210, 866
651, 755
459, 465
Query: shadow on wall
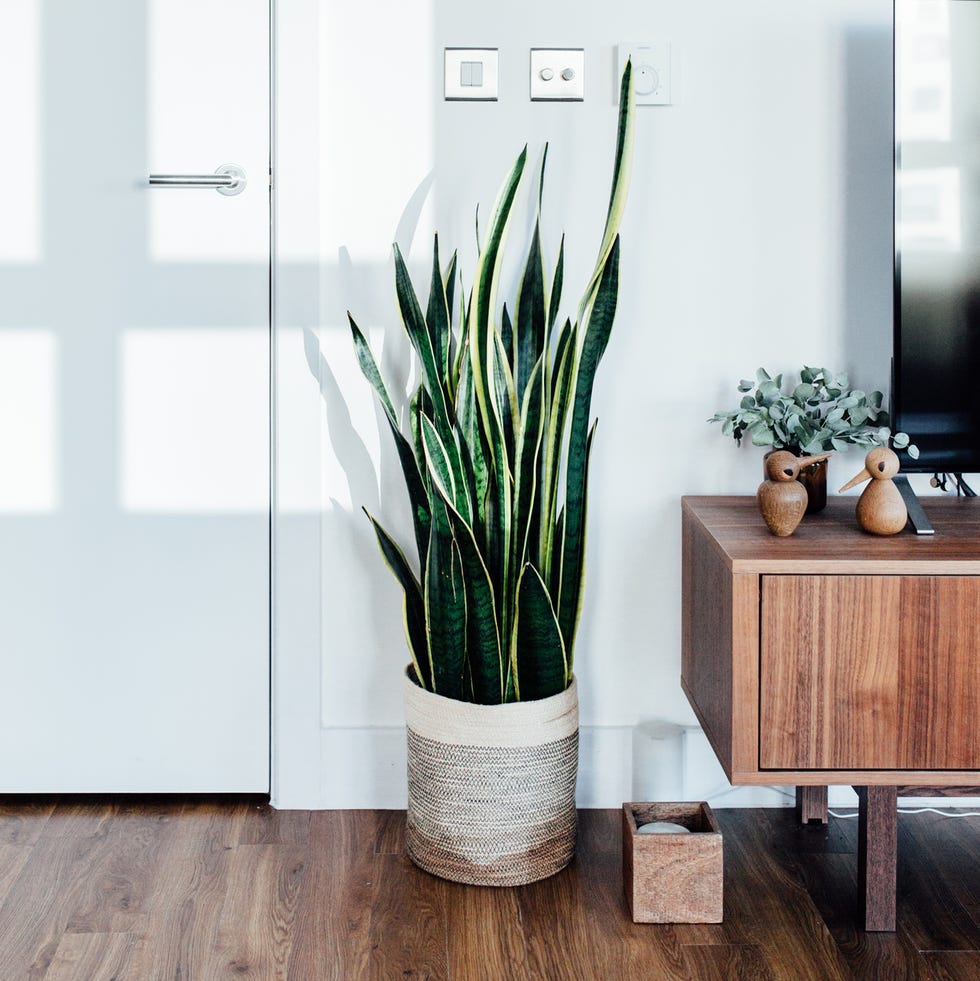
358, 467
362, 481
356, 582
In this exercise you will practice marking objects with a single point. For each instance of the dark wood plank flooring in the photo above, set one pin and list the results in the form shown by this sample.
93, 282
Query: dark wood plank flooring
182, 890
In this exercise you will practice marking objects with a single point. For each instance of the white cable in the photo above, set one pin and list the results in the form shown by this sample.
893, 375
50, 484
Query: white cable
723, 791
945, 814
916, 810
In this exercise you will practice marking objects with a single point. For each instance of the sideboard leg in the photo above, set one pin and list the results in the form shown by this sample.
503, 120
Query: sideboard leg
811, 804
877, 856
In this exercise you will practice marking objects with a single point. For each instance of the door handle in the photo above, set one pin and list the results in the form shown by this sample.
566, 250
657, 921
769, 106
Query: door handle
227, 179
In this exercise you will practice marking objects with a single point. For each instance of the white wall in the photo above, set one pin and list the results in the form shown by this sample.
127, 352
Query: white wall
757, 232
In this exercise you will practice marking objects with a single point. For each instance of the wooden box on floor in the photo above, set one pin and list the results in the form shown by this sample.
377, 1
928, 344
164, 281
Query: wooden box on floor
673, 878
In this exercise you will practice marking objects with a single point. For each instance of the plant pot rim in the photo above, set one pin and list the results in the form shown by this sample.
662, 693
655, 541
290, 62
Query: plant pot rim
528, 723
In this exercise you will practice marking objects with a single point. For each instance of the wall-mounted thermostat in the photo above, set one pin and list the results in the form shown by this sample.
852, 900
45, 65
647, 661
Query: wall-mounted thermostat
651, 72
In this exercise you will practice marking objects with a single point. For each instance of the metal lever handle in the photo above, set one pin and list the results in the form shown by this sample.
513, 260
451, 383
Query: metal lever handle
227, 179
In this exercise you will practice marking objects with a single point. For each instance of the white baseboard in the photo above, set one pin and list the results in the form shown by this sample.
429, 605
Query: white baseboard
365, 768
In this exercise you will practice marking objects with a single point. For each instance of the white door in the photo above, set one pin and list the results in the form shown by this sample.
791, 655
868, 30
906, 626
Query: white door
134, 397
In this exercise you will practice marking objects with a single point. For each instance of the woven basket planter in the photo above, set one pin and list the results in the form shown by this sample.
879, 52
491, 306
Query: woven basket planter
491, 788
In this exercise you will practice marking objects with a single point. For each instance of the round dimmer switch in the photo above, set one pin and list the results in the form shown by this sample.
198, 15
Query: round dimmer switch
646, 81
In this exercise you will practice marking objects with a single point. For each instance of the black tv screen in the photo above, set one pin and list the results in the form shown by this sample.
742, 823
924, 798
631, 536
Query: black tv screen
936, 384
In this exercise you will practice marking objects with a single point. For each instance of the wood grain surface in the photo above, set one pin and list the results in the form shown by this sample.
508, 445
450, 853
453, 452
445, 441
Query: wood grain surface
832, 542
830, 651
836, 656
231, 889
877, 856
870, 672
707, 635
720, 648
811, 804
673, 878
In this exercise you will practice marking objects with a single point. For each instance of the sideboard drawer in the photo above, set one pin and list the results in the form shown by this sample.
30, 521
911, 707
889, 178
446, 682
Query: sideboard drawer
869, 672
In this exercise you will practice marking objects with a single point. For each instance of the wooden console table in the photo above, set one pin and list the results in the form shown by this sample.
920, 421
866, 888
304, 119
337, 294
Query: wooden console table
837, 657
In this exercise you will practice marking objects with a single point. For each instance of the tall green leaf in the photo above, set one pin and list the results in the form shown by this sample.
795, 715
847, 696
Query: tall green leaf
501, 504
453, 480
537, 653
413, 607
483, 336
526, 492
622, 166
507, 332
437, 316
418, 497
556, 287
449, 285
560, 395
554, 578
462, 352
531, 326
482, 623
593, 347
445, 609
418, 333
471, 441
506, 404
420, 405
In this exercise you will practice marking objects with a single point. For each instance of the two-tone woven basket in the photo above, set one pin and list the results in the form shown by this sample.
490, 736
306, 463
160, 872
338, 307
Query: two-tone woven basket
491, 788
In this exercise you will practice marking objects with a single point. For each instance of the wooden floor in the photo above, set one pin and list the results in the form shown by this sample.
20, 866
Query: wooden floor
170, 889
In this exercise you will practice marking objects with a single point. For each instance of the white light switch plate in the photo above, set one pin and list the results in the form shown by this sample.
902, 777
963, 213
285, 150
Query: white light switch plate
651, 72
557, 74
471, 74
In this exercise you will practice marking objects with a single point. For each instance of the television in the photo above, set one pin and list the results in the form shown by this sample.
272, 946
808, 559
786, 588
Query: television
936, 368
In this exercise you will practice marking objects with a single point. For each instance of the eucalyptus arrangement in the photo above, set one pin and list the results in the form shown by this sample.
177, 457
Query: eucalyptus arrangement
501, 416
821, 413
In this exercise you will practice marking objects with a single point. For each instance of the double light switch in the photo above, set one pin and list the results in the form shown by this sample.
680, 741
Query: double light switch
471, 74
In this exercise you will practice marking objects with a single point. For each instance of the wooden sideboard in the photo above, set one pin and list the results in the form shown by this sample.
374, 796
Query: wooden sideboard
837, 657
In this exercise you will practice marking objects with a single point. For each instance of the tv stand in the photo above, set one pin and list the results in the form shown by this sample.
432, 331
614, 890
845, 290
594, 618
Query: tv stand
917, 517
833, 657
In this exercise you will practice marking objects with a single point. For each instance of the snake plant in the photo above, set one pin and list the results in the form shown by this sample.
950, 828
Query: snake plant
502, 414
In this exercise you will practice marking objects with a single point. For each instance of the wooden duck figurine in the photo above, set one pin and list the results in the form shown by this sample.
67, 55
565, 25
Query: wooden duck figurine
880, 508
782, 498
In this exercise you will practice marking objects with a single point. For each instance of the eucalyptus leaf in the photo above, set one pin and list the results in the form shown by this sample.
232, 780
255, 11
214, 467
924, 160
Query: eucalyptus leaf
761, 435
820, 413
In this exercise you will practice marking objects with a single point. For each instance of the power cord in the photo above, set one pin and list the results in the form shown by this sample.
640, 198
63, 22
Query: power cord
941, 481
916, 810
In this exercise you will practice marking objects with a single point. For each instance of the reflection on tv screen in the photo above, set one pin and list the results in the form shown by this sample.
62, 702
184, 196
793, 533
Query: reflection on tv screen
936, 398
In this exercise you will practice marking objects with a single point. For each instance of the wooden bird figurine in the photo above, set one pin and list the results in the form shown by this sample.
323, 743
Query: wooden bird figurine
782, 498
880, 508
